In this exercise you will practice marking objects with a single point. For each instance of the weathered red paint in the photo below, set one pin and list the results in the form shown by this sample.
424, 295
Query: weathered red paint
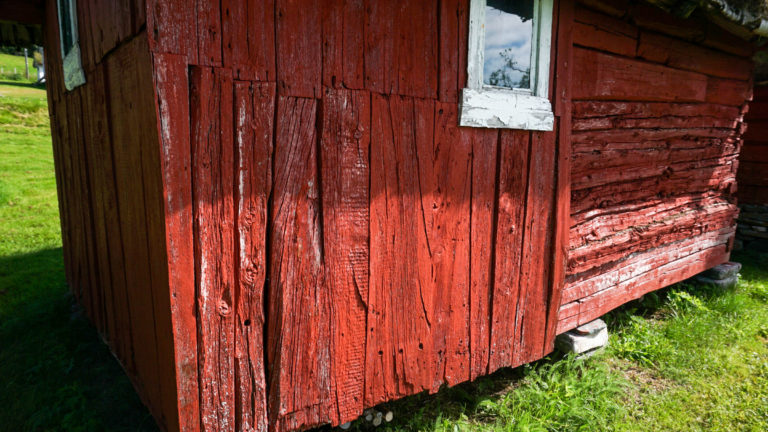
271, 214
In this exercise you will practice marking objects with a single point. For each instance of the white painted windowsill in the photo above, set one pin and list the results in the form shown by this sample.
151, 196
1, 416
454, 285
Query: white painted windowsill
501, 108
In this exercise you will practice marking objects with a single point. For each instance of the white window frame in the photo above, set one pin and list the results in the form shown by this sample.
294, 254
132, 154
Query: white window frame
72, 66
497, 107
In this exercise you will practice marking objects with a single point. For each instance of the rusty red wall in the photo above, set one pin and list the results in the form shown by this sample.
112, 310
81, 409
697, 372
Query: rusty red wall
657, 123
338, 241
110, 194
271, 215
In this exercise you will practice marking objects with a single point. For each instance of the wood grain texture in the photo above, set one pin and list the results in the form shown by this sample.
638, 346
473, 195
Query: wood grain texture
514, 154
299, 52
445, 168
301, 384
173, 114
606, 77
172, 28
343, 43
248, 38
211, 102
344, 160
563, 107
399, 349
254, 116
652, 170
485, 167
126, 114
402, 59
208, 31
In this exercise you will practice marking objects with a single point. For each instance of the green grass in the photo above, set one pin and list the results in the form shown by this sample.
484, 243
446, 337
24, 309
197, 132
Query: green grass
682, 359
55, 374
13, 68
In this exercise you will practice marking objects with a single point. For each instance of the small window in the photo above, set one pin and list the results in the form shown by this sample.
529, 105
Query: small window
508, 65
70, 48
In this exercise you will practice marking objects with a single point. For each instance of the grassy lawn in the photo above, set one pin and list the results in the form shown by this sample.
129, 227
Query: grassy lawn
12, 68
682, 359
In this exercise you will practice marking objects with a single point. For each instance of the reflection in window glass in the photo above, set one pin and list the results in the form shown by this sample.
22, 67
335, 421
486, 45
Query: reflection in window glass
508, 34
67, 27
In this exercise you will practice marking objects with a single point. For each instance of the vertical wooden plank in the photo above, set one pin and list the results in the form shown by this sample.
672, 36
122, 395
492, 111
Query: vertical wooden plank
213, 188
55, 82
85, 35
298, 333
536, 265
103, 152
126, 117
172, 28
453, 48
138, 15
249, 38
148, 144
344, 157
172, 93
343, 43
99, 167
563, 52
254, 114
511, 202
399, 351
402, 59
209, 48
299, 57
483, 201
445, 168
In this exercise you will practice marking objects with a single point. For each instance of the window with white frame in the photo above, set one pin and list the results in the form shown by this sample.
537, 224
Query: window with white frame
508, 65
70, 47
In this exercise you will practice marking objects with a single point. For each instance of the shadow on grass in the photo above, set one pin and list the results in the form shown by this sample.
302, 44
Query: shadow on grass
55, 372
25, 84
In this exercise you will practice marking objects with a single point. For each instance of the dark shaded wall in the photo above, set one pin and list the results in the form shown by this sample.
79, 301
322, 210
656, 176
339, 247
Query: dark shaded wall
108, 175
753, 173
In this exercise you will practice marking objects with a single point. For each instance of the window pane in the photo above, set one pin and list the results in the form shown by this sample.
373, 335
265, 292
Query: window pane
67, 37
508, 34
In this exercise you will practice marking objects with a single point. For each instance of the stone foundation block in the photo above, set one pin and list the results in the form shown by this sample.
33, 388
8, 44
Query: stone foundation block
722, 271
584, 339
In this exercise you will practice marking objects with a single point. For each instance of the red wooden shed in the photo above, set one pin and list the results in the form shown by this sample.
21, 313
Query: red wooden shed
278, 213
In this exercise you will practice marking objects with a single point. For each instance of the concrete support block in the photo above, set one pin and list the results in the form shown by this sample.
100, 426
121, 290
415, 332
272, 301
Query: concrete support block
585, 339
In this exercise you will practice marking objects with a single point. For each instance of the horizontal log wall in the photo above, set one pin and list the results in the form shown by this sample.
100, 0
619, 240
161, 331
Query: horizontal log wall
110, 194
657, 123
337, 241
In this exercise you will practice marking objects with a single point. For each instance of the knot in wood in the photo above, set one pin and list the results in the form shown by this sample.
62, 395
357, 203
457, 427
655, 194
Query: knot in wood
224, 308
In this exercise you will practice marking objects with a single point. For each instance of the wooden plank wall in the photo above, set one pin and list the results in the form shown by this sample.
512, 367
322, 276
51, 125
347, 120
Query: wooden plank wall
753, 165
657, 123
336, 240
110, 191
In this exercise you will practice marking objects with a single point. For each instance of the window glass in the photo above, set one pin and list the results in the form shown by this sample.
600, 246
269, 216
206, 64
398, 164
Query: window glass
508, 37
67, 26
